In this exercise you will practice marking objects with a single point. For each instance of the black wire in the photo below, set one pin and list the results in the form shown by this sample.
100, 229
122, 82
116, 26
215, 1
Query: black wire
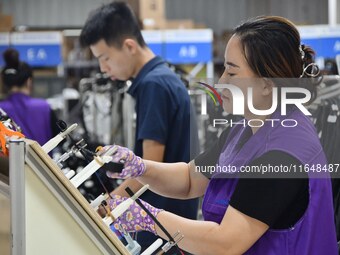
130, 192
85, 153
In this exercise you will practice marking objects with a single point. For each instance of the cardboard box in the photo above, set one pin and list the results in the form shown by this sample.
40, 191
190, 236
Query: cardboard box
152, 24
152, 9
6, 23
179, 24
200, 26
148, 9
151, 13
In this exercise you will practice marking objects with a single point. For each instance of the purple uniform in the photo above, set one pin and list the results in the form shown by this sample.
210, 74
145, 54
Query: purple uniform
31, 114
314, 233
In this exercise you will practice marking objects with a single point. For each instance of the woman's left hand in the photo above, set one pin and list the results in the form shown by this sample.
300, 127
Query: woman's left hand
135, 218
133, 165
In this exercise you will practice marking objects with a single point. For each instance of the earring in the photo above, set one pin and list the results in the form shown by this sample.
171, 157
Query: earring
315, 70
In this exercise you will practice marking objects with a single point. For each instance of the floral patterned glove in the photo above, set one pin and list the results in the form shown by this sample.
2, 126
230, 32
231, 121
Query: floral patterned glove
135, 219
133, 165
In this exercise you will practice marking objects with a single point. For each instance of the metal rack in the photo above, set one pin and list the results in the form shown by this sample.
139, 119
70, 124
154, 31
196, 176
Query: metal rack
48, 214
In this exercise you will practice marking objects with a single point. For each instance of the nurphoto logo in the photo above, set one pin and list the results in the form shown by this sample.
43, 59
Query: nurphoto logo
281, 97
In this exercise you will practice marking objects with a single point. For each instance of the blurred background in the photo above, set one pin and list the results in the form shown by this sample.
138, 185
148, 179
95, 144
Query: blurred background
190, 35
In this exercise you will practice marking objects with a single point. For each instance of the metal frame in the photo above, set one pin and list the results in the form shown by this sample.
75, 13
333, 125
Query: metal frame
209, 71
20, 155
4, 189
17, 195
72, 208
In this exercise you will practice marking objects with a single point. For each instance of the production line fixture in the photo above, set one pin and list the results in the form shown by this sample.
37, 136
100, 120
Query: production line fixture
96, 161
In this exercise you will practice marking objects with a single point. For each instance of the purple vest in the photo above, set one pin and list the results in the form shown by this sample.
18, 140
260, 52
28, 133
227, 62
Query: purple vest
31, 114
314, 233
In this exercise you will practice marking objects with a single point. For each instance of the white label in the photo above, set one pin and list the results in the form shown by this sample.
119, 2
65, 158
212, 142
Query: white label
331, 119
152, 36
335, 107
36, 38
4, 39
189, 35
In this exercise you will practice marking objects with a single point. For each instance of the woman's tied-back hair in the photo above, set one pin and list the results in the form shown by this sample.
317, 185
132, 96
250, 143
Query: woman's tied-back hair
113, 23
272, 47
15, 72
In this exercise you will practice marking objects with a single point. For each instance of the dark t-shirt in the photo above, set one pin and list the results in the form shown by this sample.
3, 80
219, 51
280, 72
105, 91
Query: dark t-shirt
278, 202
163, 114
54, 127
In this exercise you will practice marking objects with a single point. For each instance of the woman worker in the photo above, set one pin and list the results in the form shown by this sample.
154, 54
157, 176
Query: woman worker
34, 116
270, 216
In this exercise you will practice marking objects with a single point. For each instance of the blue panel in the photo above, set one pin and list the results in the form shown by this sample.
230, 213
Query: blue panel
40, 55
324, 47
157, 48
37, 55
188, 53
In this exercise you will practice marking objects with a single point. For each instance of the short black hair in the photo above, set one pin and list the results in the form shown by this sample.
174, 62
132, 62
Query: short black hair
15, 73
113, 22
